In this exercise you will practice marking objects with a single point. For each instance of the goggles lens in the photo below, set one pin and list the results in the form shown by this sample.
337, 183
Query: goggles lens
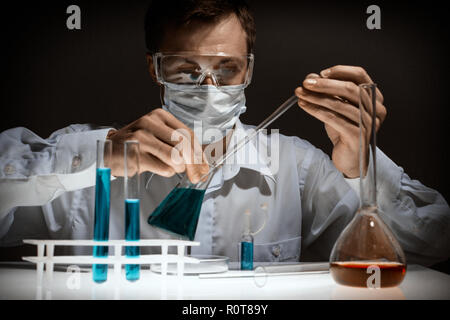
222, 70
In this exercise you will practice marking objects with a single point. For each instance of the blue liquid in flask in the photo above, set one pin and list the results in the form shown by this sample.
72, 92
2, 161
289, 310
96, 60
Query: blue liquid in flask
246, 255
132, 233
179, 212
101, 222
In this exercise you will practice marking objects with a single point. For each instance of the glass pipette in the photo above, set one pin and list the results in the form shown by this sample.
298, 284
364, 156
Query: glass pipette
179, 211
263, 125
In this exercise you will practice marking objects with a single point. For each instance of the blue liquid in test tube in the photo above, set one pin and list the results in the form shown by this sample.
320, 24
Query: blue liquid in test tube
101, 223
247, 245
132, 215
246, 255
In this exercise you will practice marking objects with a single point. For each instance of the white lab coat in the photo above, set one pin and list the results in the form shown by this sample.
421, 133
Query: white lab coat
47, 191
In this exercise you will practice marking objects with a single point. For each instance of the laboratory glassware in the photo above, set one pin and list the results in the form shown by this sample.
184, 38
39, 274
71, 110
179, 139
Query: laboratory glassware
247, 245
367, 254
207, 264
132, 204
179, 211
102, 207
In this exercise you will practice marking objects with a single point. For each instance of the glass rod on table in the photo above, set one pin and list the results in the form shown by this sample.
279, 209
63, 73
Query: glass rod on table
131, 189
102, 206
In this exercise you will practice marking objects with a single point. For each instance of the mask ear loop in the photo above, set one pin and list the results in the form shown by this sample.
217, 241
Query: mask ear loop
264, 209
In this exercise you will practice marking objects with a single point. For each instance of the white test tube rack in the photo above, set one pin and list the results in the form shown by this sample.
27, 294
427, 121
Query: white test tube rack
45, 255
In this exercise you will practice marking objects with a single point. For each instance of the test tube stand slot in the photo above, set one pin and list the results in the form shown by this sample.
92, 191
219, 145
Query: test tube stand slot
45, 255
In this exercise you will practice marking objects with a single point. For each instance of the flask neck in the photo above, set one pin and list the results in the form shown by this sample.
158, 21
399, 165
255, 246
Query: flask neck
246, 237
367, 146
247, 234
368, 183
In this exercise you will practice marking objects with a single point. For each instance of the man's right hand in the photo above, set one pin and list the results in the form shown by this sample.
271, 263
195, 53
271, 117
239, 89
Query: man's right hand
167, 146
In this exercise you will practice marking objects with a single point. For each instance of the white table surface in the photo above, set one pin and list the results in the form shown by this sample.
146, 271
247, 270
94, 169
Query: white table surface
20, 283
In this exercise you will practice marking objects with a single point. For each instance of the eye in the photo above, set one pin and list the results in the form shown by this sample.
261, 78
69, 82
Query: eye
229, 71
191, 70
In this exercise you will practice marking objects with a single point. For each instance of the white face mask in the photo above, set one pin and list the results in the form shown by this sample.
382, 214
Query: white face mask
215, 108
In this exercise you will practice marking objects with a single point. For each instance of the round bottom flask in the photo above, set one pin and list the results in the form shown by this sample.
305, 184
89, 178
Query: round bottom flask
367, 254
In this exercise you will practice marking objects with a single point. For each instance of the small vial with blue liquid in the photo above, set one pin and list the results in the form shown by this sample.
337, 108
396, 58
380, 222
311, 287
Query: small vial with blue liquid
132, 204
247, 245
102, 207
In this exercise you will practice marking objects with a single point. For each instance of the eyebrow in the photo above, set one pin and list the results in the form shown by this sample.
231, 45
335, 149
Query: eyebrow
189, 61
225, 60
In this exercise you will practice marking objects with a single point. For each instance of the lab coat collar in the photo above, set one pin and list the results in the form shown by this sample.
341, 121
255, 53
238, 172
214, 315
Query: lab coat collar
248, 157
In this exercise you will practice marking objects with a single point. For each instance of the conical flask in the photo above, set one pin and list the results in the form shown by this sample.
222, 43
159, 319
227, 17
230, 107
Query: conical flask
367, 254
179, 212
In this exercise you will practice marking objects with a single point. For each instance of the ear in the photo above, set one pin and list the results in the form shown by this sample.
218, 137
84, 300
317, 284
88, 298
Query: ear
151, 67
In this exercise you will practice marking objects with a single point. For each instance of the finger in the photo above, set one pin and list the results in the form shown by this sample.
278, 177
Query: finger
183, 138
160, 130
348, 73
194, 159
312, 76
169, 119
344, 108
337, 105
344, 127
164, 152
196, 172
168, 128
158, 123
151, 163
354, 74
182, 131
367, 104
345, 89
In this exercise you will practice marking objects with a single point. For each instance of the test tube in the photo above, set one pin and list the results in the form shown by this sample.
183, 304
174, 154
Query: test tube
102, 206
132, 216
247, 245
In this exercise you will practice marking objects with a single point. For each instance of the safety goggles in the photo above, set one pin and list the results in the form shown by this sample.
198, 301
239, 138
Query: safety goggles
194, 69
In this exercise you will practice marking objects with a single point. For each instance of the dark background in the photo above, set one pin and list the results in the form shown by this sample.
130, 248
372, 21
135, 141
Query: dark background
53, 77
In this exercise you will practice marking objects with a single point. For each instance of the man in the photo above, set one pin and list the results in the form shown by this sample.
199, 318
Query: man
200, 53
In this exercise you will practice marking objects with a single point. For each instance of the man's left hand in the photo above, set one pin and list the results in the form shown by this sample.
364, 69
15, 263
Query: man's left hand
333, 98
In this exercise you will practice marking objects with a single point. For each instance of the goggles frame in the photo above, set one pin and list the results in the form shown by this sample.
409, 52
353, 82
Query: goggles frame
158, 57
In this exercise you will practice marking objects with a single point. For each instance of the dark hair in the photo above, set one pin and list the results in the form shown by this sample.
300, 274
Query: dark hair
162, 14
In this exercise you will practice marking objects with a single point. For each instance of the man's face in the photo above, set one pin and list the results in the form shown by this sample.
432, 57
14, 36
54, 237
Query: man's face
225, 36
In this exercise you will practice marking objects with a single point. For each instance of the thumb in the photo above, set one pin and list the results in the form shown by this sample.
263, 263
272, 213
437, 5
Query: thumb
197, 170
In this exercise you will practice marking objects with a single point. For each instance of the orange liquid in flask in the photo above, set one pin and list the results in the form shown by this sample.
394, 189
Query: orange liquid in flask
355, 273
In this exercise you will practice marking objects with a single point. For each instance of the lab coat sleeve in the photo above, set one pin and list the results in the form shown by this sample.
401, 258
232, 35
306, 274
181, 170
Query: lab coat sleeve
34, 171
418, 216
328, 204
